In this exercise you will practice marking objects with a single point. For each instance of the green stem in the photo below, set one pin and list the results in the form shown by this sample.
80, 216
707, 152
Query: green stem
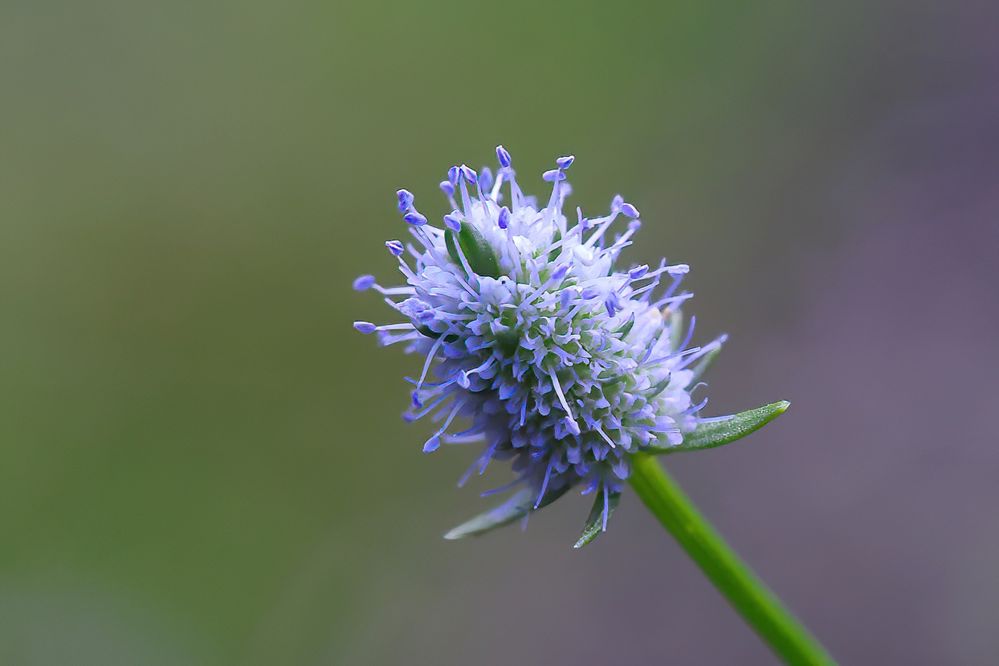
747, 593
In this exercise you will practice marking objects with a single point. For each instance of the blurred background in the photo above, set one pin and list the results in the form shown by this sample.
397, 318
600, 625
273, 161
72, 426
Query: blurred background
201, 463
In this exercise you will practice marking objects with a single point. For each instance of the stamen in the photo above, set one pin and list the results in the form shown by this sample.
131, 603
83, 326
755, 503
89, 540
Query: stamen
385, 339
716, 419
405, 200
395, 291
565, 405
485, 179
544, 484
500, 489
416, 416
434, 442
679, 354
430, 358
364, 282
467, 175
606, 512
629, 210
690, 333
701, 351
414, 218
638, 272
503, 157
602, 224
503, 221
463, 381
600, 431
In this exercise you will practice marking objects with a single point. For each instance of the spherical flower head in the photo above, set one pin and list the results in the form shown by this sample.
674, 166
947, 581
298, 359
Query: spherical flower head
557, 359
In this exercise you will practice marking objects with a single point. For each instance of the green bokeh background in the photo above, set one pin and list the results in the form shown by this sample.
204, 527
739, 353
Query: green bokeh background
200, 461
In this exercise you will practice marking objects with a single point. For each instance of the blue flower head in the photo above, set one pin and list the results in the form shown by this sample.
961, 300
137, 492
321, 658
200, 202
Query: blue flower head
557, 359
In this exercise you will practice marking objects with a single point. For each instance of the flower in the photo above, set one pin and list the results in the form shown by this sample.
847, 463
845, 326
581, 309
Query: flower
562, 363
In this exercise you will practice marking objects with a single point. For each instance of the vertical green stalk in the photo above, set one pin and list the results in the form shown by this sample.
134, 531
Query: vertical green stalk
747, 593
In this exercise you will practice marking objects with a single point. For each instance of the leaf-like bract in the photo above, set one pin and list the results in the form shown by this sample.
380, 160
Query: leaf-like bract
479, 254
718, 433
595, 522
515, 507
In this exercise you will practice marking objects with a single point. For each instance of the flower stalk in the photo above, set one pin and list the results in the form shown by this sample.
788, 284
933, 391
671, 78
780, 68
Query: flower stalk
757, 605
